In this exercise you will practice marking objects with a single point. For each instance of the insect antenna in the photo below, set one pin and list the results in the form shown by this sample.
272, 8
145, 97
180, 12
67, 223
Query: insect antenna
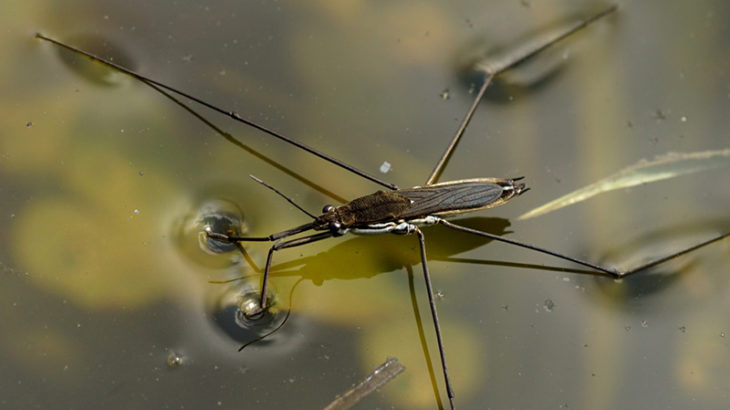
291, 201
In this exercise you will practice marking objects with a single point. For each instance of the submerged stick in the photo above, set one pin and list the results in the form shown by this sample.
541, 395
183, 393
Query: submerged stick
377, 379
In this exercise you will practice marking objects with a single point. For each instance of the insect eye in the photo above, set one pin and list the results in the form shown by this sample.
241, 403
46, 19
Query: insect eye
327, 209
335, 228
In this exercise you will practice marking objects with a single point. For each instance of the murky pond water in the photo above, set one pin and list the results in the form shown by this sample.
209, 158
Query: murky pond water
109, 301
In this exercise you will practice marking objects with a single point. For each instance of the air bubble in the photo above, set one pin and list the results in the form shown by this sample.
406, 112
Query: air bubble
174, 359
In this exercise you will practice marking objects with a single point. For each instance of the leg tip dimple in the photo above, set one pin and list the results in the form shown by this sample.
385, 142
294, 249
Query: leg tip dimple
255, 314
216, 235
616, 274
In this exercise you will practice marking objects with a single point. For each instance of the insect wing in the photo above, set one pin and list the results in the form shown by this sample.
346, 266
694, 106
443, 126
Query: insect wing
451, 197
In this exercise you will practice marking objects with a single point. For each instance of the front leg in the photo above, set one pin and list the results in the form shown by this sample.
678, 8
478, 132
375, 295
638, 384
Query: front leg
273, 237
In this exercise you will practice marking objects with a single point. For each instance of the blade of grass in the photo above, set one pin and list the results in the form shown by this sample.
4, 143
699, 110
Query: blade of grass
670, 165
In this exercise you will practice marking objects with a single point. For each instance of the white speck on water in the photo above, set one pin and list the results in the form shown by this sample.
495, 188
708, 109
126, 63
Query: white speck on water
385, 167
136, 211
445, 94
683, 119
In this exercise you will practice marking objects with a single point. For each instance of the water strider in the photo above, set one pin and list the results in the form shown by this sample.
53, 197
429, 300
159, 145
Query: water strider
405, 211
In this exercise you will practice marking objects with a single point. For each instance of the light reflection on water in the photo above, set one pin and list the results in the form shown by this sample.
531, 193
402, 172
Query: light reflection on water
96, 180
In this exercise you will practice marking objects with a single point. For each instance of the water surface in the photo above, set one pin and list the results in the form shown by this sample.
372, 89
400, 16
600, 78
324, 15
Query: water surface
108, 300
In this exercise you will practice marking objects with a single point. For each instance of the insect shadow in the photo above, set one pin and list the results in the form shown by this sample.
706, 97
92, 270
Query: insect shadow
388, 254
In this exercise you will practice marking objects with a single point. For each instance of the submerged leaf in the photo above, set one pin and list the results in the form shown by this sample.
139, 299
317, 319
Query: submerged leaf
665, 166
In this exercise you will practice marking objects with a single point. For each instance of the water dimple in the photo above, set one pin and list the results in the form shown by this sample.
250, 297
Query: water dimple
236, 313
214, 216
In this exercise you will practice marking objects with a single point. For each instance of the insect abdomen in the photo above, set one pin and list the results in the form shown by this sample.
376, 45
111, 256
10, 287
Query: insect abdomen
378, 207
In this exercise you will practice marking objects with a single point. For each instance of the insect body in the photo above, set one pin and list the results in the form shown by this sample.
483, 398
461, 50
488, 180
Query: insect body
394, 211
399, 211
